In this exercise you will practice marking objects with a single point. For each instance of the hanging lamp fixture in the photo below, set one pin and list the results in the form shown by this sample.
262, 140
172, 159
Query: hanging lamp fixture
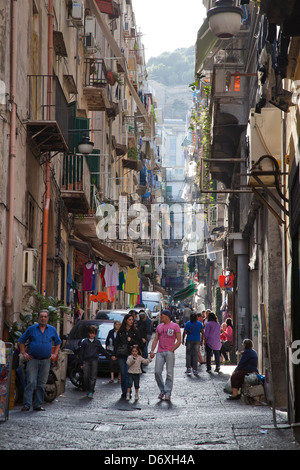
225, 19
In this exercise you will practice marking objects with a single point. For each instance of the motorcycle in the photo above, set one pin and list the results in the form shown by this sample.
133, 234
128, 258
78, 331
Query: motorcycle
20, 380
51, 386
76, 371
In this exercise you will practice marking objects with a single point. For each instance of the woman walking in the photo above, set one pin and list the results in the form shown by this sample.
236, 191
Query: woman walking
127, 336
212, 341
110, 342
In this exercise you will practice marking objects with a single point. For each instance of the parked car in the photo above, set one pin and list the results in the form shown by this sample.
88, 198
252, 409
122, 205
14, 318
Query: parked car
119, 314
80, 331
111, 315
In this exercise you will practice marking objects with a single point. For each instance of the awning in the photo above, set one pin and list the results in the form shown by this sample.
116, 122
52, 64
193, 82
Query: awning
186, 292
83, 247
85, 231
206, 40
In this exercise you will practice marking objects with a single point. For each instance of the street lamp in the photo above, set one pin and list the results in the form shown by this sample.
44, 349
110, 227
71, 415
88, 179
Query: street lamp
225, 19
85, 146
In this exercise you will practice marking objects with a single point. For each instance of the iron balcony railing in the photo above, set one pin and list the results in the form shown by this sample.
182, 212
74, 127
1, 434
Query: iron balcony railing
95, 73
47, 102
76, 174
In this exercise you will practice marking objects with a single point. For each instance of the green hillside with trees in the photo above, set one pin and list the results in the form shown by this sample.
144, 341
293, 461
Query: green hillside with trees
173, 68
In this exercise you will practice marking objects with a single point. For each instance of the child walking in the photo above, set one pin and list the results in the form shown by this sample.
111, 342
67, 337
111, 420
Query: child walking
134, 362
90, 349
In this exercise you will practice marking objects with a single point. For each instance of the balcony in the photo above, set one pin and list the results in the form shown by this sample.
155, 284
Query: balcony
130, 130
229, 117
47, 124
95, 85
76, 184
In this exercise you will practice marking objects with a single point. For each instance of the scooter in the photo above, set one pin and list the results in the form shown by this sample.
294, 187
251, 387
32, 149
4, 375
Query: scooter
76, 371
20, 380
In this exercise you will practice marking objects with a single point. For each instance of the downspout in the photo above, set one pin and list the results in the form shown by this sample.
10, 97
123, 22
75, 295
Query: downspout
48, 160
12, 164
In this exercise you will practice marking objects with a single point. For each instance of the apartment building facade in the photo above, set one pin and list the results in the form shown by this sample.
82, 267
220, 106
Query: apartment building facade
254, 107
74, 75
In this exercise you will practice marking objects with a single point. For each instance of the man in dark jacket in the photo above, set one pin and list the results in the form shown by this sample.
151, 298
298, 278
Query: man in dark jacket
90, 348
145, 328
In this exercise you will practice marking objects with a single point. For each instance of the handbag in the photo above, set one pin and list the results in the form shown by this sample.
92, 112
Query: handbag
227, 346
122, 350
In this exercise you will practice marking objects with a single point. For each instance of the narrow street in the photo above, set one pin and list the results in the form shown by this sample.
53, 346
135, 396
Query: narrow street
198, 418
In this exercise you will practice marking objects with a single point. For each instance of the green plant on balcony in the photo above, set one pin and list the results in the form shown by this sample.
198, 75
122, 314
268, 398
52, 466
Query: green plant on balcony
133, 153
113, 78
195, 85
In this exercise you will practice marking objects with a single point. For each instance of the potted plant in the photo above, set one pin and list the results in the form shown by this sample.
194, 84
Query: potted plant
133, 153
110, 77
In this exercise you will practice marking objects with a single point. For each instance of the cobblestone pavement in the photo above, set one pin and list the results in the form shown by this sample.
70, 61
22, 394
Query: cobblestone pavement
198, 418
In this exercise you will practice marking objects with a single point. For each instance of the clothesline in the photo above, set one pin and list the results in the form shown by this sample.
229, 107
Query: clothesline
181, 256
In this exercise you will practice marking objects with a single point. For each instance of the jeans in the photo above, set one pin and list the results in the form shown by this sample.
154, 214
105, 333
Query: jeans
37, 372
90, 372
124, 373
208, 357
162, 358
192, 350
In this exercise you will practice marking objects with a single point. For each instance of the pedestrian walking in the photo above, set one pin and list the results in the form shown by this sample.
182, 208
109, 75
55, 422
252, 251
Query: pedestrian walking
192, 331
109, 343
201, 359
89, 351
205, 317
168, 339
134, 362
41, 337
186, 314
227, 339
212, 341
145, 328
127, 336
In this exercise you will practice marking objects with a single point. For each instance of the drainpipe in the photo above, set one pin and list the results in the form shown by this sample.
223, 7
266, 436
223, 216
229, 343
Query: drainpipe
48, 160
12, 164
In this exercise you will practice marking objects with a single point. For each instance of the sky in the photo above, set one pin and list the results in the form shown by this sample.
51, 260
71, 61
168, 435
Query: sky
167, 25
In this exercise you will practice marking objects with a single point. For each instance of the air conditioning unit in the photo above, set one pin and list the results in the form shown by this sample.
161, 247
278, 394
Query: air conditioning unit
90, 25
30, 268
78, 12
264, 135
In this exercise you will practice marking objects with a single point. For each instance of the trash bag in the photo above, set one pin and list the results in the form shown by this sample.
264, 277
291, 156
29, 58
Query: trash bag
251, 379
227, 388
